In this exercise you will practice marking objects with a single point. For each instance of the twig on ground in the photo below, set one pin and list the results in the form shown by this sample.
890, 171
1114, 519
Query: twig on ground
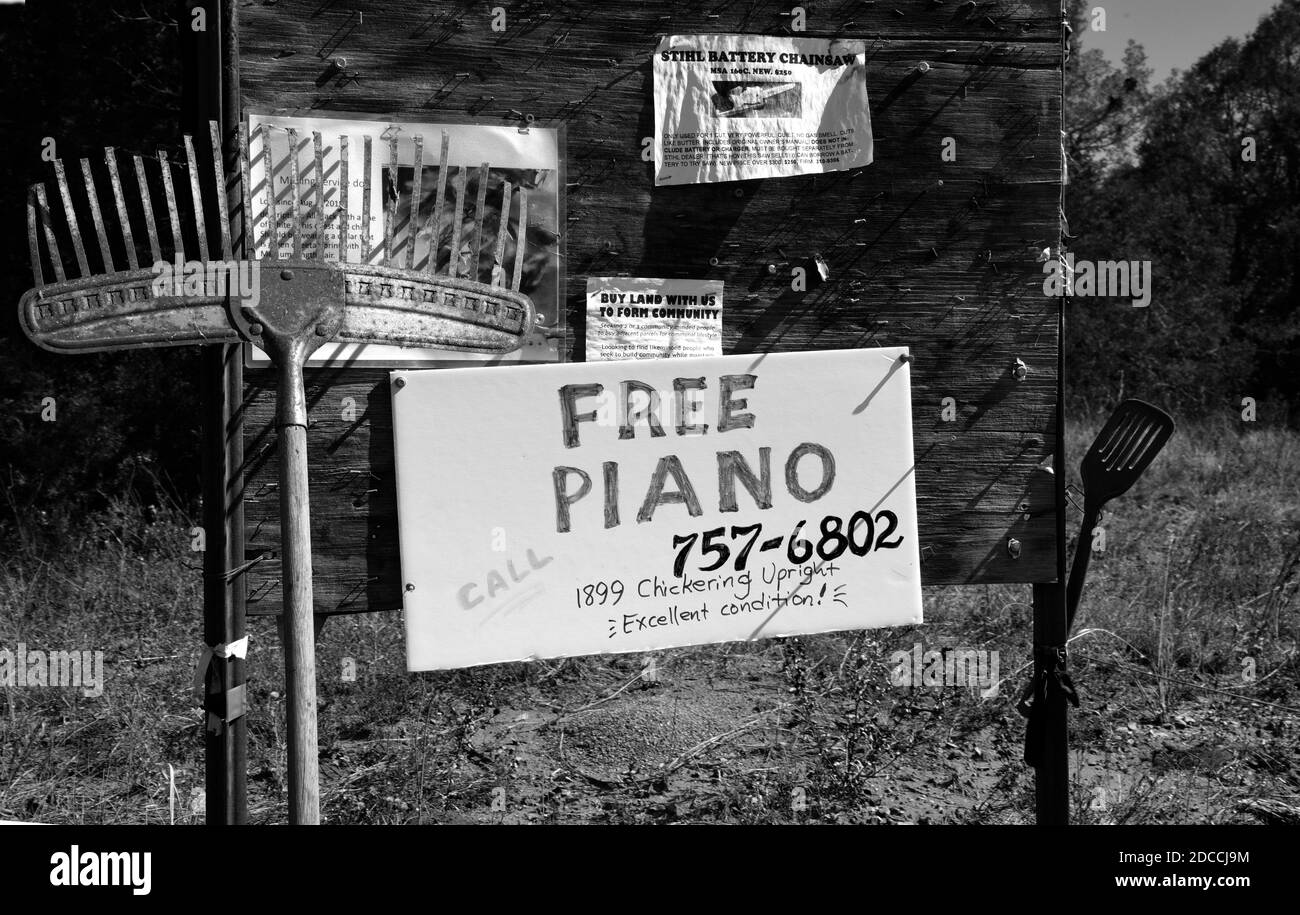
563, 714
1188, 683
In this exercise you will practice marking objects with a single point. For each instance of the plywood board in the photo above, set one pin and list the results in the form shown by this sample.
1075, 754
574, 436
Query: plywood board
939, 254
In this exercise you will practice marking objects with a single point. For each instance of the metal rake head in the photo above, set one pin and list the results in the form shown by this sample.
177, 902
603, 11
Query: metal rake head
390, 302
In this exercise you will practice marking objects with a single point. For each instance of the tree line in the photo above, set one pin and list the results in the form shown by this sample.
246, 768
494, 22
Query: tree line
1199, 175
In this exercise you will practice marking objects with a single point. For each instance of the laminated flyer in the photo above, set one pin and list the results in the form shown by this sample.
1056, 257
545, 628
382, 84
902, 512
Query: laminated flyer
736, 107
639, 318
384, 209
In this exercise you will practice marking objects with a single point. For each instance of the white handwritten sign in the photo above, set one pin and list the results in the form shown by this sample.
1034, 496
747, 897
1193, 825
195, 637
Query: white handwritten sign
557, 510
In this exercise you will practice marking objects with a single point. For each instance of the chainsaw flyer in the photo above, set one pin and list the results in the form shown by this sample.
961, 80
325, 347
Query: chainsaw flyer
736, 107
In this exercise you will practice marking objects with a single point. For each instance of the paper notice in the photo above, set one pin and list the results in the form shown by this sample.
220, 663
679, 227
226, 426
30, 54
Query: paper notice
440, 224
734, 107
637, 318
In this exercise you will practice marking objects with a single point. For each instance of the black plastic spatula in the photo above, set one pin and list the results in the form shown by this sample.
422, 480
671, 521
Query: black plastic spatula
1124, 449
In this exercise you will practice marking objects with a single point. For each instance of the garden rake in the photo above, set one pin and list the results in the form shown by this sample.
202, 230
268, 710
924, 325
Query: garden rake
304, 302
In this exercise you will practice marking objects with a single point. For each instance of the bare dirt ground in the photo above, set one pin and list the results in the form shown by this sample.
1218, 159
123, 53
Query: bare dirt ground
1185, 657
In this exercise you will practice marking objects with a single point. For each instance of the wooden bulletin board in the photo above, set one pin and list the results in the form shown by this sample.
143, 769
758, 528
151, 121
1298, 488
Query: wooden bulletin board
941, 256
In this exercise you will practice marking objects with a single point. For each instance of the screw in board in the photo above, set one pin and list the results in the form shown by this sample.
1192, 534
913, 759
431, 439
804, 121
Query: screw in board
1019, 370
823, 268
1013, 548
410, 587
399, 383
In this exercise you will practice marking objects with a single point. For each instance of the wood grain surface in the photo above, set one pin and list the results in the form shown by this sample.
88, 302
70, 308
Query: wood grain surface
943, 257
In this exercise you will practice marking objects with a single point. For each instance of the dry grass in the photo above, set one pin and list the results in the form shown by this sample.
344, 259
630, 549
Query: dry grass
1186, 659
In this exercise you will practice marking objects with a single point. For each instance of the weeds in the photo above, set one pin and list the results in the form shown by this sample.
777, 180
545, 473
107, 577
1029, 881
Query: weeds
1186, 659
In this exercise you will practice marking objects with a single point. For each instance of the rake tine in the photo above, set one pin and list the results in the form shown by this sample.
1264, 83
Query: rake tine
435, 218
521, 238
413, 224
123, 221
62, 177
390, 208
219, 173
479, 209
503, 226
272, 222
365, 201
150, 227
294, 194
343, 199
33, 240
319, 152
458, 217
196, 194
246, 244
97, 218
43, 211
169, 191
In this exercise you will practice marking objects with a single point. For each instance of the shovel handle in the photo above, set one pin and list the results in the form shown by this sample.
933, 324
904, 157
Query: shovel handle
1079, 571
296, 590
